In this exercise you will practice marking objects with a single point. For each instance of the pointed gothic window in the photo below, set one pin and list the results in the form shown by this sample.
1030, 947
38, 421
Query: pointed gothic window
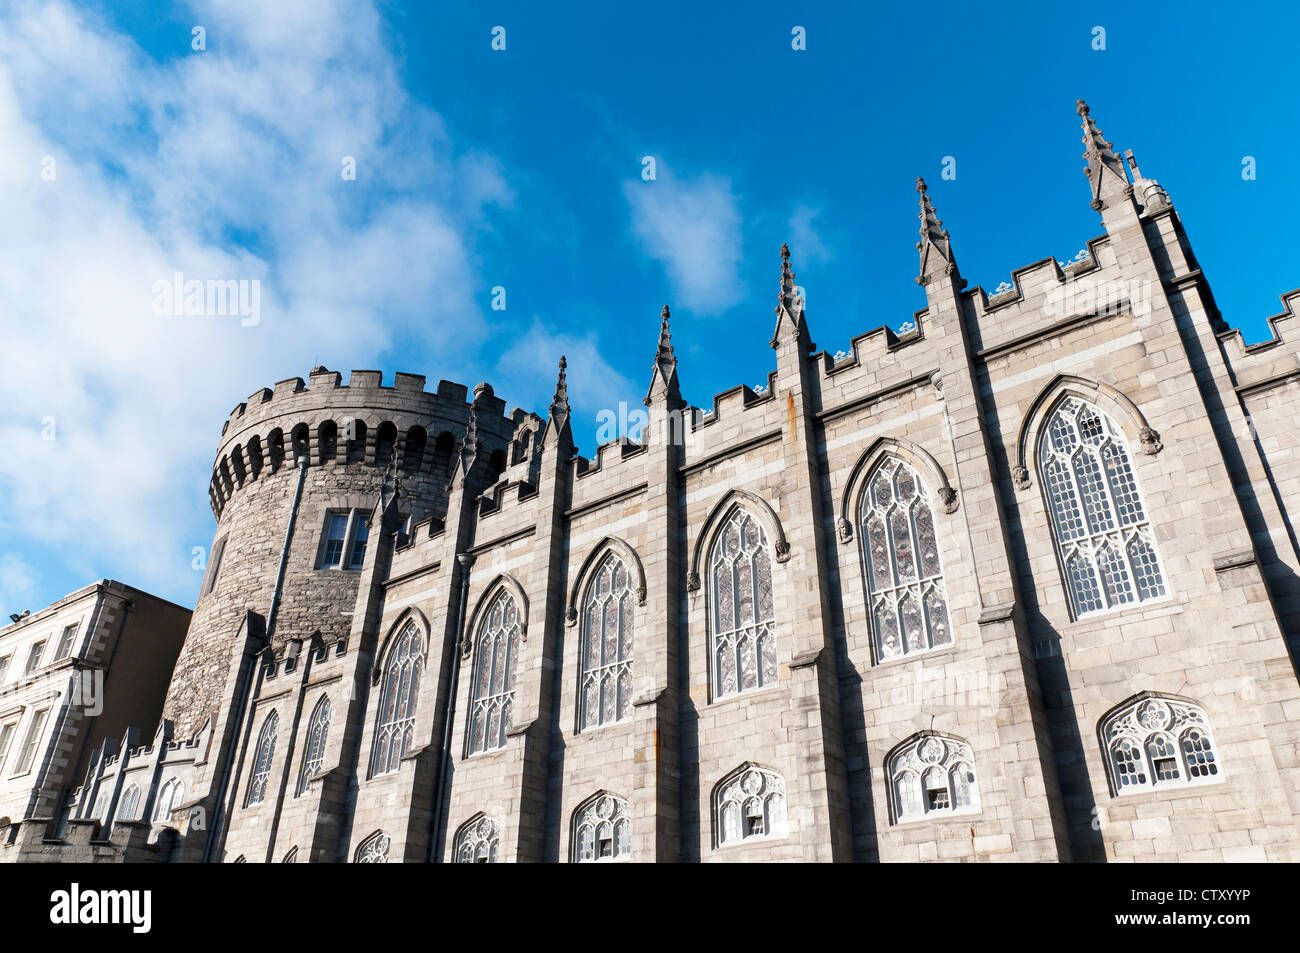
478, 841
908, 600
493, 687
374, 849
743, 646
397, 699
130, 803
265, 754
1099, 521
317, 733
291, 857
932, 776
1153, 742
602, 830
170, 796
749, 805
607, 646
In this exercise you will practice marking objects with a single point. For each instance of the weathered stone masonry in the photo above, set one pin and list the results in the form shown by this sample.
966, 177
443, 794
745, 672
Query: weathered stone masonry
1009, 718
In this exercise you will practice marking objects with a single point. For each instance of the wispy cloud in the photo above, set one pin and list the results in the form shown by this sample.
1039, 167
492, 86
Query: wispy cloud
527, 370
693, 227
805, 240
120, 170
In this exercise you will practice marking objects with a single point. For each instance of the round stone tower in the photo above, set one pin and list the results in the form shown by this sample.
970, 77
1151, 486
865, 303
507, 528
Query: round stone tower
350, 435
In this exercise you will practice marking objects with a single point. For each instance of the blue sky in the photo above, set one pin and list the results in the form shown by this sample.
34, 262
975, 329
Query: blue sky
522, 168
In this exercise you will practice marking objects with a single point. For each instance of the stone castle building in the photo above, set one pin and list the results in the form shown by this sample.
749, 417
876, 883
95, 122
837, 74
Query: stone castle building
1017, 584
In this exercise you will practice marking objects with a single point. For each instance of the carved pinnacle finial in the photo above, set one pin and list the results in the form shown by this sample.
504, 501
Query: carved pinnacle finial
787, 278
934, 246
663, 374
664, 357
1105, 171
560, 404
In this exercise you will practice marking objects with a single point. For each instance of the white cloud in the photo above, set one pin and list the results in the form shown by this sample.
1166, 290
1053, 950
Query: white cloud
527, 371
221, 165
17, 586
692, 226
805, 243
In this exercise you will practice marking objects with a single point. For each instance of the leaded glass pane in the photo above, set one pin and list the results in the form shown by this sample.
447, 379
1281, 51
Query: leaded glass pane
904, 572
750, 805
477, 841
317, 734
265, 754
398, 695
494, 682
744, 651
607, 640
1114, 576
602, 830
932, 774
1092, 492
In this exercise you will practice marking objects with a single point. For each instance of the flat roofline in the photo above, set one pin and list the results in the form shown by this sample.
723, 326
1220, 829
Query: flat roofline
113, 586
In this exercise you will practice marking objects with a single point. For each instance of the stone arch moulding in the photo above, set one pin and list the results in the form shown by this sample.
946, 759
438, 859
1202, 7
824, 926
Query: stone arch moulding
511, 585
758, 507
915, 456
409, 614
1106, 396
610, 544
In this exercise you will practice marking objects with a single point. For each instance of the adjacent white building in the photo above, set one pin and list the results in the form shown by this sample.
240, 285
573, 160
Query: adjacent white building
72, 675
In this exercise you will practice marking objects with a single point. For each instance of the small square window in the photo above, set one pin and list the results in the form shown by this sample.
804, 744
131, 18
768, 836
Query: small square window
606, 847
1166, 769
938, 799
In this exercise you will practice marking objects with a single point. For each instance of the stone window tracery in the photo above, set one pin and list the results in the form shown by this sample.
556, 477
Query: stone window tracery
907, 596
606, 688
1156, 742
932, 775
478, 842
374, 849
743, 607
493, 687
1100, 524
317, 734
750, 805
265, 754
397, 700
602, 830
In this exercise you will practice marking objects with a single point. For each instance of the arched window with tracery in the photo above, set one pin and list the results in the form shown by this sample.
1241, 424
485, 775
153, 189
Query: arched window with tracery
130, 803
749, 805
170, 796
932, 775
318, 729
374, 849
743, 634
1156, 742
397, 699
602, 830
493, 686
607, 645
1101, 526
265, 754
477, 841
908, 600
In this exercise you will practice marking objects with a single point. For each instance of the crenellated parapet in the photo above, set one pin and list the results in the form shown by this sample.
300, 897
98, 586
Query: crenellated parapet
361, 423
1273, 359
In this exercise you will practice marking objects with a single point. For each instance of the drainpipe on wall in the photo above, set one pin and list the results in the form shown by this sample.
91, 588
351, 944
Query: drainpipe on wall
466, 560
240, 702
